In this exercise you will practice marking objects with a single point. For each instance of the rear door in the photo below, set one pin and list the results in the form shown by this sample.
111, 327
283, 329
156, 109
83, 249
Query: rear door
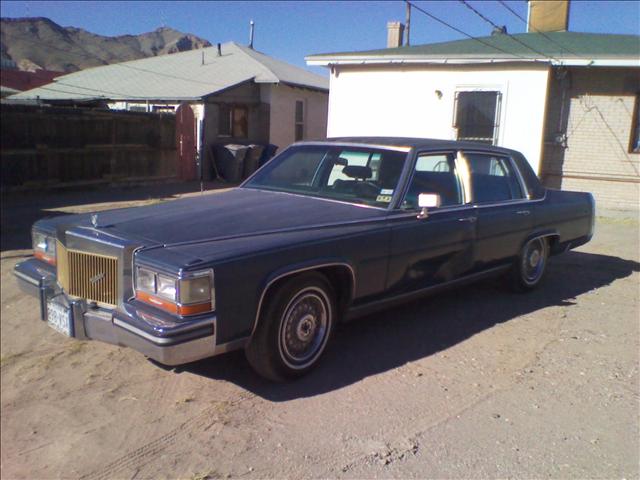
429, 251
504, 214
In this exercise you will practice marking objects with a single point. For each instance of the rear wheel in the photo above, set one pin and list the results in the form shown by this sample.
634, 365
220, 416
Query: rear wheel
294, 327
530, 266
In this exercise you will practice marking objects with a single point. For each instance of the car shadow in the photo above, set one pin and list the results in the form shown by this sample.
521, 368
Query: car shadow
391, 338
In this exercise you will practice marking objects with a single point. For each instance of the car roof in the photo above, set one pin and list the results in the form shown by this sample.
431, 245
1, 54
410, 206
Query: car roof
418, 143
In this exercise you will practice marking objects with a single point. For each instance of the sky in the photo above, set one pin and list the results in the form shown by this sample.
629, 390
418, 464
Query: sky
290, 30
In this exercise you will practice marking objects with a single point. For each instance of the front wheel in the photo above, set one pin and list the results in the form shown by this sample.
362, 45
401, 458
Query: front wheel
530, 266
294, 327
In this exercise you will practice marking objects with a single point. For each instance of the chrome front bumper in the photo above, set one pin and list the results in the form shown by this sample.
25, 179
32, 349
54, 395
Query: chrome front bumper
157, 335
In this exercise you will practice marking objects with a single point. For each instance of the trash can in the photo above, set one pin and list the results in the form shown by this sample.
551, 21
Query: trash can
230, 161
268, 152
252, 159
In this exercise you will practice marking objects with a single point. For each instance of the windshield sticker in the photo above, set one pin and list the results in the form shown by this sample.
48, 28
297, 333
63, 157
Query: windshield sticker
386, 191
384, 198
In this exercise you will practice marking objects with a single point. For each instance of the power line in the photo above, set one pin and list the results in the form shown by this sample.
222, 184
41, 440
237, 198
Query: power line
462, 32
538, 31
507, 34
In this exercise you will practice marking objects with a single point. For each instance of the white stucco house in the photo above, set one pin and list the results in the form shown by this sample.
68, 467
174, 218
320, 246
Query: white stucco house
226, 94
568, 101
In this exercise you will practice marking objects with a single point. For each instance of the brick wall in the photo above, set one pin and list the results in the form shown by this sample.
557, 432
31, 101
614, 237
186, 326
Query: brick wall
597, 117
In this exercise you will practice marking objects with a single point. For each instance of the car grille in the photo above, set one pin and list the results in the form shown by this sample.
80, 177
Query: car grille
88, 275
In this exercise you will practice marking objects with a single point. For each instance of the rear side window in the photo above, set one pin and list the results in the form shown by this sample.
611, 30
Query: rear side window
493, 178
434, 173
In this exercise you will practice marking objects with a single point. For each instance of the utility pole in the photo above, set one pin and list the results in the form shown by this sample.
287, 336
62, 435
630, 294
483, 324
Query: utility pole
408, 24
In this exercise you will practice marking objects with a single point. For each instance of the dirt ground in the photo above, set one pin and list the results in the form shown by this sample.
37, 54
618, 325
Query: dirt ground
476, 383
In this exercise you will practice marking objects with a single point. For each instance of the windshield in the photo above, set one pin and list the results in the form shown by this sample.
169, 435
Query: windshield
353, 174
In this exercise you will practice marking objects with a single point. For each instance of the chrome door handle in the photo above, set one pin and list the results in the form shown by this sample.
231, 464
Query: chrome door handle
523, 212
467, 219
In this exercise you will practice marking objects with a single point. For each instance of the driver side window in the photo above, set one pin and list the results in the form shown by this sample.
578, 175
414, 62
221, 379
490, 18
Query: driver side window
434, 173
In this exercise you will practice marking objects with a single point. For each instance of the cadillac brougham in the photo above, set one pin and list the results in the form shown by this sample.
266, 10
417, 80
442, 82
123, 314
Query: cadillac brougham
325, 231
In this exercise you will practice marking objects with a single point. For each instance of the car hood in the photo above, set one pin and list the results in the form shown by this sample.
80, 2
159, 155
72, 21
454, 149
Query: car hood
235, 213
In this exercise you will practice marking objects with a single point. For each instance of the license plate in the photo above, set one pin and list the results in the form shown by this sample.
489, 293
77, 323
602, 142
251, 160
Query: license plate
59, 318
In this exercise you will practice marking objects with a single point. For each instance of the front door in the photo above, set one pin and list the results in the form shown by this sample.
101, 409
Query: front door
429, 251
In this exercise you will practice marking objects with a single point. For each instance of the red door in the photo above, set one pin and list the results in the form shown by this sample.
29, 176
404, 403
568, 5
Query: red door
186, 142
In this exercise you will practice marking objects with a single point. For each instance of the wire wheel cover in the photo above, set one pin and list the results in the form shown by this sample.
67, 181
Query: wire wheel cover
533, 260
304, 327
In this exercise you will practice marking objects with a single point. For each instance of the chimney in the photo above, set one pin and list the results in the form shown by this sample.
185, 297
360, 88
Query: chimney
251, 26
548, 16
395, 31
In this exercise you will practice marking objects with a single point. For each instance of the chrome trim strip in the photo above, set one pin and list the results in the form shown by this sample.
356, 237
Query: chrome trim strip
26, 278
435, 211
293, 272
424, 291
523, 185
329, 142
510, 202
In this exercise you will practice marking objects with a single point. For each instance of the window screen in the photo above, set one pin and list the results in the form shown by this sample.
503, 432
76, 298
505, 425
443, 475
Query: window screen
477, 116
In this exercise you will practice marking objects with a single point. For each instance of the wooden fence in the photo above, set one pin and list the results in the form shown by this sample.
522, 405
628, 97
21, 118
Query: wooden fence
51, 147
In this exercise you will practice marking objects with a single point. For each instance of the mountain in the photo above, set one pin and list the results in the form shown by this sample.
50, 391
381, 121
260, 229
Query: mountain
39, 43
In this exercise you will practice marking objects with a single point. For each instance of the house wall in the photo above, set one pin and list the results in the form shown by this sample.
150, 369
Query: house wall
406, 101
596, 114
247, 94
282, 99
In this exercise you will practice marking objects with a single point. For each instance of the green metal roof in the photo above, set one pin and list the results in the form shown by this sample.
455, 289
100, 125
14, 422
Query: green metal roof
189, 75
555, 46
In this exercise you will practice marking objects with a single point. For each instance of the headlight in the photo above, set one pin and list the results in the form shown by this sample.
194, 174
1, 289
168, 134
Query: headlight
146, 280
187, 295
167, 287
44, 247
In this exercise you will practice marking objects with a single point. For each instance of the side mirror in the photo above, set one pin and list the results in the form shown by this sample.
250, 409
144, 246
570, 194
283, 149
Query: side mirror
427, 201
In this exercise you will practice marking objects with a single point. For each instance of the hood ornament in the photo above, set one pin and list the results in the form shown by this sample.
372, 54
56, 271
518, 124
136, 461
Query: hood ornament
94, 220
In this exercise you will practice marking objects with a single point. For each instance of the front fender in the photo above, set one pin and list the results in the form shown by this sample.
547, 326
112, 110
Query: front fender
294, 269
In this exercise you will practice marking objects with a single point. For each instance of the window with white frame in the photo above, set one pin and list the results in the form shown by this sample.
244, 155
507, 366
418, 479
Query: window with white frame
299, 121
477, 116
